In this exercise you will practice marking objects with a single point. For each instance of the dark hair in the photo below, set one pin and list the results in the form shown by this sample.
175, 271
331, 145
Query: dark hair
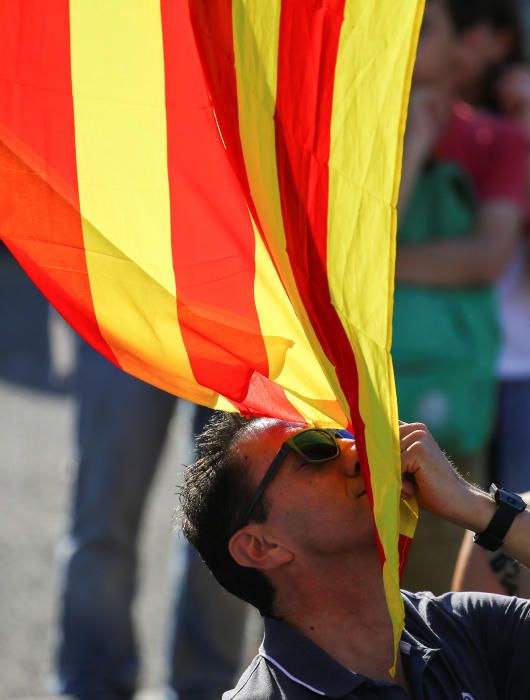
498, 14
466, 14
507, 15
213, 499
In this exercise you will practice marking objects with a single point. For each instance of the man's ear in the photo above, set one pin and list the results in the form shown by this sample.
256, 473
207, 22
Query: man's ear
250, 547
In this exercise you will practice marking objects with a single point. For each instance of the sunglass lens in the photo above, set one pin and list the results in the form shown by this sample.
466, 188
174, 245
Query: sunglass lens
316, 445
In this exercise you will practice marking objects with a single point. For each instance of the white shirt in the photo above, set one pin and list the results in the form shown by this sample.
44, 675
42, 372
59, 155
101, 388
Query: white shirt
514, 305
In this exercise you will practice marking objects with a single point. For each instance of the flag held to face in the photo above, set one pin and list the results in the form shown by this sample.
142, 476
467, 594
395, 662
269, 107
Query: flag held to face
206, 192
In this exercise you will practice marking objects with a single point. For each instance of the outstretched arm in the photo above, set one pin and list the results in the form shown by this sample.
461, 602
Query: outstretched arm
478, 259
430, 476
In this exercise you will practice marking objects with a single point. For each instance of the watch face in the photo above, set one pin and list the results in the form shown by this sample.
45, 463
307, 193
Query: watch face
510, 504
507, 498
515, 501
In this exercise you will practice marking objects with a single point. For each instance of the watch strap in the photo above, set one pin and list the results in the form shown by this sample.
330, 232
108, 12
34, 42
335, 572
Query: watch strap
508, 507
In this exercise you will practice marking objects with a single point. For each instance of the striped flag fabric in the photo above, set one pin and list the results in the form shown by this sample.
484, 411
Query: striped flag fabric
206, 191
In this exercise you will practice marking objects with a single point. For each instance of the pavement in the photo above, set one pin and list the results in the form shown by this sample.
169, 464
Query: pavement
36, 471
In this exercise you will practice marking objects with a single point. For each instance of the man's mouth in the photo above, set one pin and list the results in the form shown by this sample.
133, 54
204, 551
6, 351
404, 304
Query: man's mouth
361, 493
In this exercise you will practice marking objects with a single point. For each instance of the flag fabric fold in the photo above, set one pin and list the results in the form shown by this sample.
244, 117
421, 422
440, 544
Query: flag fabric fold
206, 191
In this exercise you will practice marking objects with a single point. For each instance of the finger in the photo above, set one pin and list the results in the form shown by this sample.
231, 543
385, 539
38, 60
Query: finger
407, 428
408, 489
410, 462
417, 436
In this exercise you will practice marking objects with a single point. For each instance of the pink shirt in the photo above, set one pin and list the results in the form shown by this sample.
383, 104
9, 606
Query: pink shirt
492, 150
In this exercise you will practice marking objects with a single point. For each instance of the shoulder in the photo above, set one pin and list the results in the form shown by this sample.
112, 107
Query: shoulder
426, 603
483, 638
492, 150
473, 134
484, 128
471, 629
461, 611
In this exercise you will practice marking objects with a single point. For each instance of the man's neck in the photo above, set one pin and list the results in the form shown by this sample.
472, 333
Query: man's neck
344, 612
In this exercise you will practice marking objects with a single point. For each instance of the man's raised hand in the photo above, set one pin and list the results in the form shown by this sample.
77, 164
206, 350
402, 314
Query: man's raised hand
437, 485
430, 476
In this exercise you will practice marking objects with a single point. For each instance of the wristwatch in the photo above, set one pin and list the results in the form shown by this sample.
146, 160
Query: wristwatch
510, 504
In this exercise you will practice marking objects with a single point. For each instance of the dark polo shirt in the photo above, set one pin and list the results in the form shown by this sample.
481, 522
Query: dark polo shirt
460, 646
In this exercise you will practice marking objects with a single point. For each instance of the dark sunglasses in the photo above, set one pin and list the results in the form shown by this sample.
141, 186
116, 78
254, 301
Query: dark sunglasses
314, 445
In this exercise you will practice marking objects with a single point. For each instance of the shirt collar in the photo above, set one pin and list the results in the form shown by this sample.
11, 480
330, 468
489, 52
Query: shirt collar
305, 663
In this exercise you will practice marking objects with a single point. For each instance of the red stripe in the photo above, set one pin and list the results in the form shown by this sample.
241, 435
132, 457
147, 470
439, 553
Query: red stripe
309, 37
212, 236
262, 395
39, 213
403, 549
212, 26
213, 31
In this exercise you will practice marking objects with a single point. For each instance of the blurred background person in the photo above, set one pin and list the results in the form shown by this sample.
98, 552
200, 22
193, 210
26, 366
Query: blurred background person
508, 92
121, 428
461, 207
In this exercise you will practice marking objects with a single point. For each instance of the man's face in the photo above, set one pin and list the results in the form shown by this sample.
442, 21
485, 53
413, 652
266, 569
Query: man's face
314, 509
437, 48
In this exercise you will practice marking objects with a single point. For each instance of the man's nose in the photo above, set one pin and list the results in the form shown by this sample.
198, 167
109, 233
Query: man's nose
349, 458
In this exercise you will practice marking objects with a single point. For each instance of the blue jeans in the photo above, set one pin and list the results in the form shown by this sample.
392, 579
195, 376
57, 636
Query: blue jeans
207, 635
511, 445
121, 429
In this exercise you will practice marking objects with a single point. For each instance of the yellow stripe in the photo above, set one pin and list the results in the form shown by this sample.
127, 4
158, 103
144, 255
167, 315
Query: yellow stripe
314, 400
256, 26
373, 71
121, 148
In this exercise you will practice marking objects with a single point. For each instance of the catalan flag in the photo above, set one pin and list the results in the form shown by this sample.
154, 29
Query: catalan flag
206, 191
